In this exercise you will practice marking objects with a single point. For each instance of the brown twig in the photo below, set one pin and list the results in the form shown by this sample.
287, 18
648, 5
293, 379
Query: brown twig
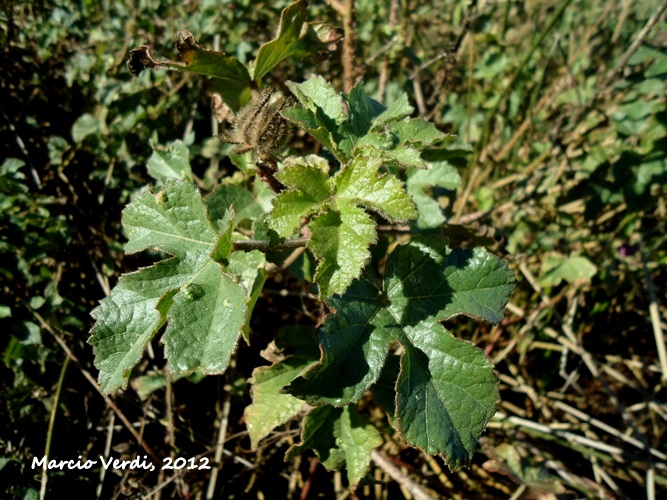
309, 481
348, 46
220, 443
52, 419
382, 461
658, 334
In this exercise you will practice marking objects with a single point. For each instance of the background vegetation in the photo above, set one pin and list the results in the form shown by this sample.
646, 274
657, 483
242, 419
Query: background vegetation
561, 105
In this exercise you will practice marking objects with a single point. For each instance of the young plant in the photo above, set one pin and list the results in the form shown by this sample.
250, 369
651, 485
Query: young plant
383, 333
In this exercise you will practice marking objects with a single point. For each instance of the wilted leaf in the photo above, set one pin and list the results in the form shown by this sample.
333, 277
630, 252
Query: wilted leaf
230, 77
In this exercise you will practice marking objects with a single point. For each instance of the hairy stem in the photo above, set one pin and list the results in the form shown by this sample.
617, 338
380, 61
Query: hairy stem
265, 245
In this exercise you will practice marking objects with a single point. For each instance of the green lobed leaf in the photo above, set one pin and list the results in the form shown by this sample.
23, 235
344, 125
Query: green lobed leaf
416, 132
401, 156
340, 239
173, 162
363, 126
205, 321
424, 282
318, 95
557, 267
445, 394
341, 230
340, 437
360, 183
468, 281
309, 190
399, 143
127, 320
206, 307
321, 114
271, 408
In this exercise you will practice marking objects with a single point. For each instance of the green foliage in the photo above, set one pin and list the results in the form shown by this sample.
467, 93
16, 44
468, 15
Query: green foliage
354, 125
173, 163
341, 230
33, 235
230, 78
560, 166
445, 391
295, 40
556, 268
420, 186
270, 407
206, 306
364, 138
340, 437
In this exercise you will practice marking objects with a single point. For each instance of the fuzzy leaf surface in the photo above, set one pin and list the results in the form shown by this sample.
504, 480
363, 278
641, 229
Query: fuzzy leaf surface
360, 183
446, 390
309, 190
341, 229
340, 239
399, 143
204, 306
353, 124
321, 114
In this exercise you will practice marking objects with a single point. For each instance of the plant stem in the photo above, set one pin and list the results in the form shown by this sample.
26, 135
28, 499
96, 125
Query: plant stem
265, 245
348, 46
395, 473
